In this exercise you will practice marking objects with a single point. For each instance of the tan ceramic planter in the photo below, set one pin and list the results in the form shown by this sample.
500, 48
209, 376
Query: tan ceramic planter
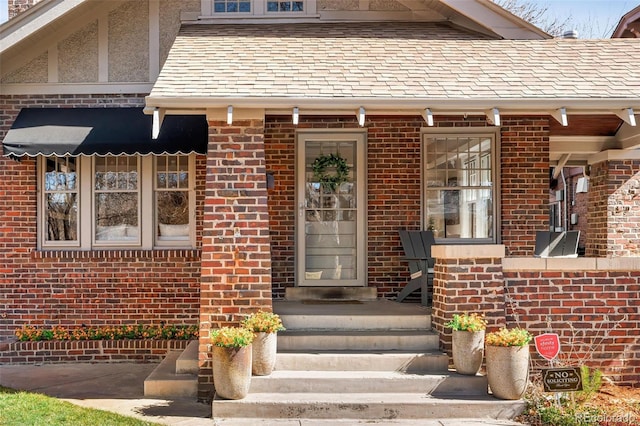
507, 370
231, 371
265, 346
468, 351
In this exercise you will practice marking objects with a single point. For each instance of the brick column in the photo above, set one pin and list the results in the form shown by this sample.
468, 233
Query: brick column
236, 259
614, 207
524, 180
467, 279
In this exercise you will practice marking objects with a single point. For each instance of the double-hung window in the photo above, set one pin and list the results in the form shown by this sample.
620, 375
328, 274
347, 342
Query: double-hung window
257, 8
459, 181
117, 201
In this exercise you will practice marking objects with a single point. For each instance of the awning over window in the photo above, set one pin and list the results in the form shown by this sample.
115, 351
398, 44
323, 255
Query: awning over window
102, 131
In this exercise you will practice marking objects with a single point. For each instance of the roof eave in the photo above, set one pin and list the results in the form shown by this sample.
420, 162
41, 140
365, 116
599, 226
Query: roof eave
379, 105
32, 20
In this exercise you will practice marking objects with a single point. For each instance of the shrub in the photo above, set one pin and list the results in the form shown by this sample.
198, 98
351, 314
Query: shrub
232, 337
263, 322
467, 322
508, 337
120, 332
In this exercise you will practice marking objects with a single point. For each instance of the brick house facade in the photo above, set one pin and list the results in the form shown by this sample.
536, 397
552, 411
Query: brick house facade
247, 232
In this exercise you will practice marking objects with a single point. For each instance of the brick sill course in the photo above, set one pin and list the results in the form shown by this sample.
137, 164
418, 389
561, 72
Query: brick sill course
87, 351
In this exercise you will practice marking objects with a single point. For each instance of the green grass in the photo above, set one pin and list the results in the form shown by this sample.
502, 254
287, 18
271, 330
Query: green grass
19, 408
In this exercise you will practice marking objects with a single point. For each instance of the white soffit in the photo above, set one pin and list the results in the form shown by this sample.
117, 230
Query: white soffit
33, 20
496, 19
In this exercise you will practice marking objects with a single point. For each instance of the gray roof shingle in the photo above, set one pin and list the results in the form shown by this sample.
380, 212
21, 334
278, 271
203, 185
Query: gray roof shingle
391, 61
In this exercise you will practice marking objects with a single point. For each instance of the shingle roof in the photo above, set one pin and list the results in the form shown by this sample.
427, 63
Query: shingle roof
391, 61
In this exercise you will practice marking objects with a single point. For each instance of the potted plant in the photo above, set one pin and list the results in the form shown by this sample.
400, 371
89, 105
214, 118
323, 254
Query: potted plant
265, 326
507, 352
231, 361
467, 342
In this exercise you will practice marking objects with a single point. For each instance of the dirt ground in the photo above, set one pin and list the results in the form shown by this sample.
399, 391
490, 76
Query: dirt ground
620, 406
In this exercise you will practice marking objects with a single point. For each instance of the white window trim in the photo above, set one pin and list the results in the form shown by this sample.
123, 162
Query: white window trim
258, 10
146, 210
494, 134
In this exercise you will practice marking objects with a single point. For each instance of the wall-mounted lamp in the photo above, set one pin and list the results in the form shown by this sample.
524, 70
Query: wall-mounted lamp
428, 117
627, 116
561, 115
296, 116
493, 116
230, 114
156, 123
361, 116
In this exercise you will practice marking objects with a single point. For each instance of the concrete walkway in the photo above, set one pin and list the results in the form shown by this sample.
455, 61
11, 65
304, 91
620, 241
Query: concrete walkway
119, 388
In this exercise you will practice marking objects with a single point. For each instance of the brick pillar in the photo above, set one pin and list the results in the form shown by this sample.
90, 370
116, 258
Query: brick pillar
524, 180
467, 279
614, 207
18, 6
236, 259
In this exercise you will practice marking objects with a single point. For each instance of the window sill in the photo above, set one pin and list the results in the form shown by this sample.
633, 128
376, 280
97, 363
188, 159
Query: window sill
185, 253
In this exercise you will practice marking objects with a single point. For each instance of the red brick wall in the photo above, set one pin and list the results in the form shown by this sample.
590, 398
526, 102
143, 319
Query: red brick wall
467, 285
100, 287
524, 182
596, 314
614, 210
393, 188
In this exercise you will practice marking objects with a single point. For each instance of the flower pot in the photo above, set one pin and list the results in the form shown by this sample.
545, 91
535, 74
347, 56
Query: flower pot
468, 351
507, 370
264, 353
231, 371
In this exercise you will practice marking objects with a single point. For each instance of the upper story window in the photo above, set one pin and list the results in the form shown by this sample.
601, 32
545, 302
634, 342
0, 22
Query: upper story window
257, 8
459, 174
117, 202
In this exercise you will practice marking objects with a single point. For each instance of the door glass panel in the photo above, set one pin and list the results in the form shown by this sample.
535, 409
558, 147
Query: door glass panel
330, 210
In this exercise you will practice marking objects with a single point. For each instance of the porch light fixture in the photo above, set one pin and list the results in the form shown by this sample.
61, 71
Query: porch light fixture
561, 115
230, 114
428, 116
627, 116
158, 117
296, 116
361, 116
493, 116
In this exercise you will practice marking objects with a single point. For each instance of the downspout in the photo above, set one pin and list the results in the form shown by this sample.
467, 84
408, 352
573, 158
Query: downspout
565, 224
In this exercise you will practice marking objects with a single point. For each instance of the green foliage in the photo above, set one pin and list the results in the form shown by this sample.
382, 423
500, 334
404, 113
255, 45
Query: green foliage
232, 337
328, 180
508, 337
263, 322
19, 408
591, 382
467, 322
121, 332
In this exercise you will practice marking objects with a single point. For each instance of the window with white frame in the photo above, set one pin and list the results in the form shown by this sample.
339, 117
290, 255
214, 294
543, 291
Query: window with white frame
459, 189
257, 8
117, 201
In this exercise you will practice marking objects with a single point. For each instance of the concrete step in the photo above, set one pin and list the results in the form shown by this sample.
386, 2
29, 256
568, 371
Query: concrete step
163, 382
378, 315
357, 340
410, 362
367, 382
187, 362
378, 406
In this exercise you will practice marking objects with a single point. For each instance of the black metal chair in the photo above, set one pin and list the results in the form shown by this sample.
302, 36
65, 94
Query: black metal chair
556, 244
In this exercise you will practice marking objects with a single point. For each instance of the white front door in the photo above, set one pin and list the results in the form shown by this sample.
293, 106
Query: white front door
330, 229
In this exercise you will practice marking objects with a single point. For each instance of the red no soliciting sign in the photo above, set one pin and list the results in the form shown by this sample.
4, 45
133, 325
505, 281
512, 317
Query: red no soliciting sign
547, 345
